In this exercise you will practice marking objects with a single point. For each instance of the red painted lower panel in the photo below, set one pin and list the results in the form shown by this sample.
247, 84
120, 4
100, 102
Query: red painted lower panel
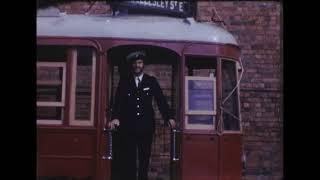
199, 157
230, 153
65, 167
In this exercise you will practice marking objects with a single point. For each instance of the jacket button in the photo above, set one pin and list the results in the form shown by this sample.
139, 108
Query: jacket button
137, 106
138, 99
138, 114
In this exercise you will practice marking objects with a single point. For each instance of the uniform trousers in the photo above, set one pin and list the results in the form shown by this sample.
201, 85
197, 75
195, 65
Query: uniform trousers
130, 146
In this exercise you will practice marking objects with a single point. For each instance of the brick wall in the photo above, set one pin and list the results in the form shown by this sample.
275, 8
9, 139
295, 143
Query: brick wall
256, 26
81, 7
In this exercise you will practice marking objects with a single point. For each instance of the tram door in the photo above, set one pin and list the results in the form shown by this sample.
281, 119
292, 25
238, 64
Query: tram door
162, 64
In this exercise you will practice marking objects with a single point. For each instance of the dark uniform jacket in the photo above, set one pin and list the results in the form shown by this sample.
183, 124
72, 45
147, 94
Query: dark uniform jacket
133, 105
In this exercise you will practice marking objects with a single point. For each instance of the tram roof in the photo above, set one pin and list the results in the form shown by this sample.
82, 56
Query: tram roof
132, 27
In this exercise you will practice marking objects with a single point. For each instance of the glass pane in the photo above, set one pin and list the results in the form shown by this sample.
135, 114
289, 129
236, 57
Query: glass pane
49, 83
49, 113
83, 84
200, 95
200, 66
52, 53
201, 119
229, 81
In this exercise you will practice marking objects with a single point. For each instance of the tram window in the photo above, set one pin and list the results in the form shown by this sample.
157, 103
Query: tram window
50, 115
83, 83
200, 93
201, 66
51, 85
231, 120
52, 53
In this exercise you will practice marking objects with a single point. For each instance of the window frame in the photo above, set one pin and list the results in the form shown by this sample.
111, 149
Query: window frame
61, 103
188, 112
236, 63
73, 82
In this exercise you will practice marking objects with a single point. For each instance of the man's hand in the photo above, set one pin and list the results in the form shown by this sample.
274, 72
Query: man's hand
172, 123
114, 123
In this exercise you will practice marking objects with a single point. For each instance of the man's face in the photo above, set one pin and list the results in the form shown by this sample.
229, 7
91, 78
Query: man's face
137, 66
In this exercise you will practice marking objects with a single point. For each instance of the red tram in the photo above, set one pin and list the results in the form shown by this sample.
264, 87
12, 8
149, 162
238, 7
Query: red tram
79, 61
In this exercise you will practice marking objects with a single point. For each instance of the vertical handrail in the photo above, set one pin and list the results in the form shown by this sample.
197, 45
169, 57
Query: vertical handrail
108, 154
174, 144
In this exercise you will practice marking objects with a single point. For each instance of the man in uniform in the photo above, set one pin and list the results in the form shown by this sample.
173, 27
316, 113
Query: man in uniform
133, 112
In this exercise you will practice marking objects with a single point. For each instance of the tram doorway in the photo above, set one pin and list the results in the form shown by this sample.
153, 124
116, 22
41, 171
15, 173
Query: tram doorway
163, 64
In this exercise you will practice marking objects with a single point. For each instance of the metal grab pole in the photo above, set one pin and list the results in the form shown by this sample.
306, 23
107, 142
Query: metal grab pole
174, 153
108, 154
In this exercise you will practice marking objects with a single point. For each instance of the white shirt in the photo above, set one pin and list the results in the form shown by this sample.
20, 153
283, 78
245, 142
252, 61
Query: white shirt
136, 79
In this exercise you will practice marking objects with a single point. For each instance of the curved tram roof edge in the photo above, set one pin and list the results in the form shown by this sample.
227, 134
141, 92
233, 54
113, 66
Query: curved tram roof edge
133, 27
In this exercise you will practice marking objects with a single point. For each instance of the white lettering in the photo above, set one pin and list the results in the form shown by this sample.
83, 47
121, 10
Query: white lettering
171, 5
166, 4
180, 6
162, 4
